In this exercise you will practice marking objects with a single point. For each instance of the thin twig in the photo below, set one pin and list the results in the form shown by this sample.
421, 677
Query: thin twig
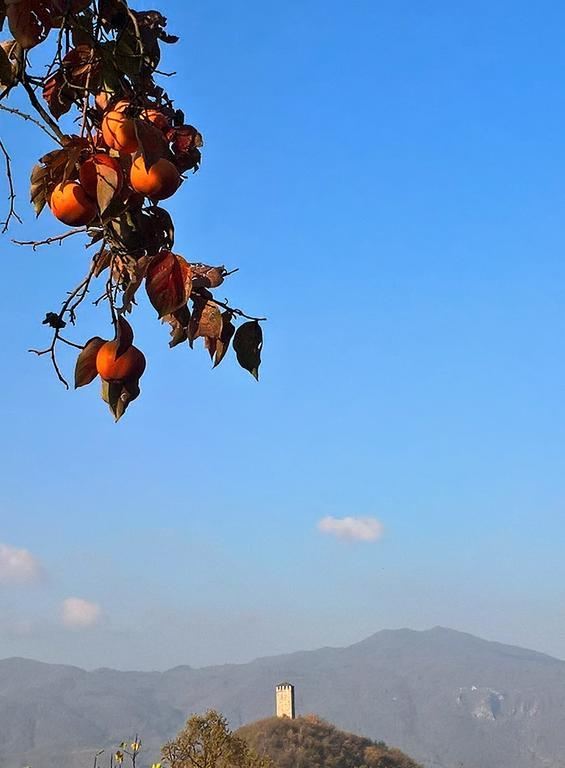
30, 118
39, 108
54, 239
70, 343
12, 196
67, 307
233, 310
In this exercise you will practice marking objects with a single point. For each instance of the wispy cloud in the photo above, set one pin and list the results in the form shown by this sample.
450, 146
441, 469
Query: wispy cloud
18, 566
352, 528
77, 613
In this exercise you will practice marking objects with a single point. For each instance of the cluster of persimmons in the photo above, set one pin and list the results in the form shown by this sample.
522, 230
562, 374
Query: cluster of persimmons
118, 163
128, 152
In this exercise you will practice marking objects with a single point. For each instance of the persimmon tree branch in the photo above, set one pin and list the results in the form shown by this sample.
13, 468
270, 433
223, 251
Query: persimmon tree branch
235, 311
39, 108
58, 322
12, 195
29, 118
50, 240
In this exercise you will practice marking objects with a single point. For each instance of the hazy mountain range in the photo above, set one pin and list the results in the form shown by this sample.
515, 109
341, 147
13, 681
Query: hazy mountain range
446, 698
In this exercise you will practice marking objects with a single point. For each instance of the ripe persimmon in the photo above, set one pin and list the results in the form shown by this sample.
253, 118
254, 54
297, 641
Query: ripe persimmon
149, 113
70, 204
129, 366
159, 182
101, 167
118, 131
156, 117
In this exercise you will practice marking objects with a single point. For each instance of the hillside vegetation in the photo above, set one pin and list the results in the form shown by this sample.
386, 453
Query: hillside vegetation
309, 742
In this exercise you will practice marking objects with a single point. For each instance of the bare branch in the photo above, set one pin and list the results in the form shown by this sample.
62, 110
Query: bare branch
40, 109
75, 297
233, 310
54, 239
30, 118
12, 196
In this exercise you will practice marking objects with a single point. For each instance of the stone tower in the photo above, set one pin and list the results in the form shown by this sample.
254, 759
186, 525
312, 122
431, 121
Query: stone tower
285, 700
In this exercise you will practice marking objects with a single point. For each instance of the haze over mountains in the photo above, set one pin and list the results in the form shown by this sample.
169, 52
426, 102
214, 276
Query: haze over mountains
446, 698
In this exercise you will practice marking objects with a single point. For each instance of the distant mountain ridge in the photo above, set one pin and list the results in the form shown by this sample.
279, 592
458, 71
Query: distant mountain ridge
446, 698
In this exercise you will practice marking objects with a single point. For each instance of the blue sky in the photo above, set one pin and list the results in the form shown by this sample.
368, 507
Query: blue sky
390, 181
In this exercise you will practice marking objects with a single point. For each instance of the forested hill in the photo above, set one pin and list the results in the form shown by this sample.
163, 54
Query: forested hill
309, 742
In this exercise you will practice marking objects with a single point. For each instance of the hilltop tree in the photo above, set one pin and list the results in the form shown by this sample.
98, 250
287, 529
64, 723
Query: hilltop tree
207, 742
120, 147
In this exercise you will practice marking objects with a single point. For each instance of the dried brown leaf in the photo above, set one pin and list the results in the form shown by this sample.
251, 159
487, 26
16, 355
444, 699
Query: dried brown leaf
85, 368
206, 320
119, 396
223, 343
107, 186
179, 322
124, 336
204, 276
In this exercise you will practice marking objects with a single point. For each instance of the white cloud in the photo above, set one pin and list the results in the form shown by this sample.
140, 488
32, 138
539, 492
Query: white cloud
352, 528
78, 613
18, 566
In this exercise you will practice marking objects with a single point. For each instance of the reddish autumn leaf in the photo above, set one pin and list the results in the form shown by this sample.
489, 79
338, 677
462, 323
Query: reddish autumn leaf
30, 21
168, 282
184, 137
185, 142
85, 368
151, 142
57, 95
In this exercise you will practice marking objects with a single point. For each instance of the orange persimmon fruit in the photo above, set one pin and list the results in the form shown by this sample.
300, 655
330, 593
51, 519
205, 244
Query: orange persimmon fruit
118, 131
159, 182
70, 204
129, 366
